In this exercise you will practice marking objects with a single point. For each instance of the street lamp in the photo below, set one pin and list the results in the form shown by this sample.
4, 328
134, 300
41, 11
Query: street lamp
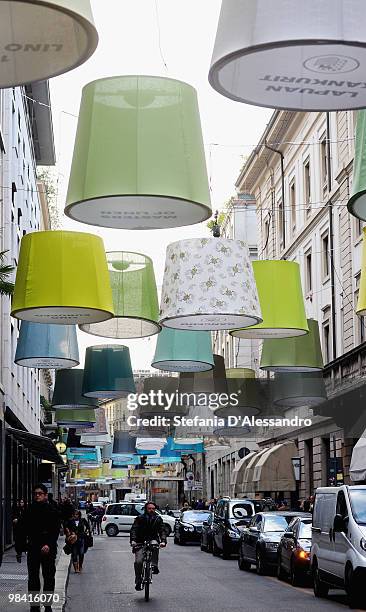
296, 464
61, 447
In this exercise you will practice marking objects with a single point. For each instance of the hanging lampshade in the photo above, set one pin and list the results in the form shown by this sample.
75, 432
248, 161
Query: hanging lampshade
47, 346
200, 385
139, 159
149, 432
361, 304
122, 443
208, 284
200, 422
301, 354
84, 417
181, 440
67, 391
62, 278
357, 202
231, 430
95, 439
188, 448
299, 389
243, 386
281, 301
135, 298
107, 372
161, 386
216, 443
150, 443
43, 38
305, 56
183, 351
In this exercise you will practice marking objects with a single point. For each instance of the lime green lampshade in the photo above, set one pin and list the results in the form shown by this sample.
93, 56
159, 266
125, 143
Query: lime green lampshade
107, 372
75, 418
135, 298
301, 354
183, 351
299, 389
62, 277
139, 159
281, 300
44, 38
361, 304
357, 202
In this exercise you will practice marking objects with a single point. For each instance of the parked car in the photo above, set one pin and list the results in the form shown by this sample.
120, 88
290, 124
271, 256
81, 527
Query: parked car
120, 517
230, 517
207, 533
338, 551
259, 542
188, 527
293, 554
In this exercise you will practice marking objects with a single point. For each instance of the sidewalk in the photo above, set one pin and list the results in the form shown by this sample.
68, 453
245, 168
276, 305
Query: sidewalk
13, 580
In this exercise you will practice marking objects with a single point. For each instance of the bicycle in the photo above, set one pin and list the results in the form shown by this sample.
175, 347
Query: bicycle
147, 573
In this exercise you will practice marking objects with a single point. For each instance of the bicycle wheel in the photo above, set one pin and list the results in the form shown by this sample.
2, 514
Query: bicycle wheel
147, 580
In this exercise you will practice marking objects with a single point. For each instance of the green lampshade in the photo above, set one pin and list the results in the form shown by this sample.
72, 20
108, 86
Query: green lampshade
301, 354
107, 372
183, 351
299, 389
361, 304
357, 202
281, 300
246, 390
78, 416
67, 391
62, 277
204, 383
139, 159
135, 298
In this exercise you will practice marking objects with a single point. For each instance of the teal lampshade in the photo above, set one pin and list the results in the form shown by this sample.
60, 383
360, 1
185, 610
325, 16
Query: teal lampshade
67, 393
301, 354
139, 160
183, 351
357, 202
163, 386
299, 389
135, 298
42, 345
107, 372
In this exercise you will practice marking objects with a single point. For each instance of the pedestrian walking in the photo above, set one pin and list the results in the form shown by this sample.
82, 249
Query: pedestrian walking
18, 511
77, 533
38, 533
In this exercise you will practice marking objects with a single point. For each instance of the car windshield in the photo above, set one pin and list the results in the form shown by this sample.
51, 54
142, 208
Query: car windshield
276, 522
242, 510
358, 503
195, 517
305, 531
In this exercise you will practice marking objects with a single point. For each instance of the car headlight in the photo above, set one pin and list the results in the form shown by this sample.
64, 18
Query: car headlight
233, 534
187, 527
271, 545
363, 543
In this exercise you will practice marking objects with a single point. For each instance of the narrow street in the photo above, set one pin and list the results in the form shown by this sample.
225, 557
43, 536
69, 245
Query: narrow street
189, 580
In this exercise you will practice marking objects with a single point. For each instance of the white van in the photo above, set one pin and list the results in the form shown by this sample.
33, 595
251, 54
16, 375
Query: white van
338, 551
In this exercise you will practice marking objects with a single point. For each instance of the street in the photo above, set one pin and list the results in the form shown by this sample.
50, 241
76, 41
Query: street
189, 580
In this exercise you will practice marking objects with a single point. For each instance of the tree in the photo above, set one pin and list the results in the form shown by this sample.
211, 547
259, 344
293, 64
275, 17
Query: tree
6, 286
48, 178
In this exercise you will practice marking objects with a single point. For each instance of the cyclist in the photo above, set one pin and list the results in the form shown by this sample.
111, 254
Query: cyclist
147, 527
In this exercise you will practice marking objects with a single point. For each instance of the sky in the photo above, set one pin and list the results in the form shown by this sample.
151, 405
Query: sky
163, 38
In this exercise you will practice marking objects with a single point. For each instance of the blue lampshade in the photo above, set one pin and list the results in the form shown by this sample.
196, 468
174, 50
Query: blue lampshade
188, 448
162, 460
183, 351
42, 345
107, 372
123, 444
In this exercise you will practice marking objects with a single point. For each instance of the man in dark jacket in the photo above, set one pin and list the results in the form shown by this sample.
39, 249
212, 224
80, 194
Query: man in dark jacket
38, 533
147, 527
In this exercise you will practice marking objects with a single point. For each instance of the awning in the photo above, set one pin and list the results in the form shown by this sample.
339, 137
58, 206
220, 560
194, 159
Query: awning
238, 472
357, 470
40, 446
274, 470
248, 486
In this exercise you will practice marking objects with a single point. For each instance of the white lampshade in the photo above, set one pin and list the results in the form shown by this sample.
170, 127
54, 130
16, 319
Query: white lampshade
184, 440
150, 444
292, 54
208, 285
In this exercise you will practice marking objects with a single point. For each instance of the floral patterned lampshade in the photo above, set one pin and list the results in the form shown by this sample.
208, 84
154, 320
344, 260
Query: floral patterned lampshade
209, 285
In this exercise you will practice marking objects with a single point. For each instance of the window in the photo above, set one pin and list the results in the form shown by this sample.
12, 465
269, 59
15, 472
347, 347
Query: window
265, 238
308, 273
359, 321
342, 505
281, 233
325, 256
327, 352
307, 187
358, 227
324, 164
293, 205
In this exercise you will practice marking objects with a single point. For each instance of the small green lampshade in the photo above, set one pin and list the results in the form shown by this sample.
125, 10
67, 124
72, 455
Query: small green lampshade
77, 416
299, 389
357, 202
62, 277
361, 304
281, 300
107, 372
301, 354
246, 391
135, 298
183, 351
67, 391
139, 159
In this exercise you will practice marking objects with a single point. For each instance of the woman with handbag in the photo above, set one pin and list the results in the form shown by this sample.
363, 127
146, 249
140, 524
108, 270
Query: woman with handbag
78, 536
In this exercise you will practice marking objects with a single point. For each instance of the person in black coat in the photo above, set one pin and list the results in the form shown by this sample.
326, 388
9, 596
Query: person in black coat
79, 527
147, 527
38, 533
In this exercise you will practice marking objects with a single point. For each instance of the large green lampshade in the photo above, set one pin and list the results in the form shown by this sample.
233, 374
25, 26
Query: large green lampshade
299, 389
67, 393
301, 354
139, 159
62, 277
183, 351
135, 298
357, 202
281, 300
246, 390
107, 372
361, 304
43, 38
